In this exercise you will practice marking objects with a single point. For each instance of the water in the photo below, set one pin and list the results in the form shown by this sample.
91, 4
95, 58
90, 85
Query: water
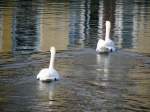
119, 82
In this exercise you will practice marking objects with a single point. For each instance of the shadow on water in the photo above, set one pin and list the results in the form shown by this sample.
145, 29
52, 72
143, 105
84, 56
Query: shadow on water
90, 82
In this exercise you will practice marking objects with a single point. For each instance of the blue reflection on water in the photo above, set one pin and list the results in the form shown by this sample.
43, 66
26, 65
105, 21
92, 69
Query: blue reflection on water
25, 26
85, 21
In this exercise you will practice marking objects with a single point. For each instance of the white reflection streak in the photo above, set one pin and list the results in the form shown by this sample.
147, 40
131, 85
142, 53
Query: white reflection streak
100, 19
135, 25
51, 93
81, 25
105, 61
84, 21
118, 21
141, 29
48, 88
88, 14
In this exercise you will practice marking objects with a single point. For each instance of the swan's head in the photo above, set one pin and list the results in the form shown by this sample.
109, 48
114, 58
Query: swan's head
52, 49
108, 24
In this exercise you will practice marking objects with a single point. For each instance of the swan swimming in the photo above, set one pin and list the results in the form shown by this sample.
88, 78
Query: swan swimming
107, 45
49, 74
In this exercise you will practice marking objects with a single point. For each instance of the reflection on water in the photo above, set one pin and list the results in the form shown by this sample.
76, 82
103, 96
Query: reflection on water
24, 27
37, 25
104, 62
54, 26
5, 30
118, 82
141, 26
47, 89
90, 82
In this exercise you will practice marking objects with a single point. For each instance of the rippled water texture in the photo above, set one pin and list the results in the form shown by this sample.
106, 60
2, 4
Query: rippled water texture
118, 82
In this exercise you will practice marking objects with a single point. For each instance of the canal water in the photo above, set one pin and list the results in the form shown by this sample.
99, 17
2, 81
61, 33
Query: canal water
90, 82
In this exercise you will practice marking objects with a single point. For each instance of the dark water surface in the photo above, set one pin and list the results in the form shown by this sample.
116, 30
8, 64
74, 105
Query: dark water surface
118, 82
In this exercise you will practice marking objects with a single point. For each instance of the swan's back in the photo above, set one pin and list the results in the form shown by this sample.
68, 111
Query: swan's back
43, 74
100, 44
47, 74
54, 74
110, 45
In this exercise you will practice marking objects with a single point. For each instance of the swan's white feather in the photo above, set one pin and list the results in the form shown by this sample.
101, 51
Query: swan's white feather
107, 45
49, 74
43, 74
100, 45
110, 45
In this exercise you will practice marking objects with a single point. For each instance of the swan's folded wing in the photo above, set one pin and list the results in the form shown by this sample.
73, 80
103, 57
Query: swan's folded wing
100, 44
110, 45
43, 73
54, 75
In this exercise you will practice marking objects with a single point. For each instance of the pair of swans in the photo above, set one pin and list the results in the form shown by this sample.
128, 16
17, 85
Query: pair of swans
103, 46
107, 45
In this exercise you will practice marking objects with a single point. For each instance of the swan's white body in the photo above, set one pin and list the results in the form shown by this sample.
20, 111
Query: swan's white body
106, 45
49, 74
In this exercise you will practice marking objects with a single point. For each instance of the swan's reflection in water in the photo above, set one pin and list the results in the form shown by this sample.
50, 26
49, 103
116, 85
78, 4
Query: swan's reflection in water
103, 62
47, 89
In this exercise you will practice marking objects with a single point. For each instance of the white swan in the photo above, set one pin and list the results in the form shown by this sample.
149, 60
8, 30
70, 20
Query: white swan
49, 74
107, 45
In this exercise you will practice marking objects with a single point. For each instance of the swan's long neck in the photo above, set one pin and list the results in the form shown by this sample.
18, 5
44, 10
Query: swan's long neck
107, 34
52, 58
